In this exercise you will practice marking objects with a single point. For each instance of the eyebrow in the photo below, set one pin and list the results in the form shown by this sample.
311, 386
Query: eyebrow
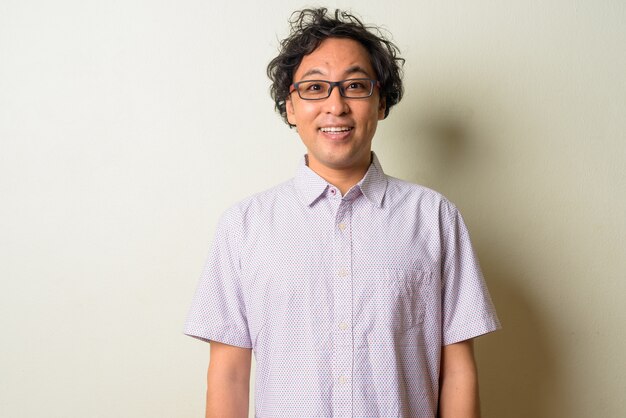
355, 69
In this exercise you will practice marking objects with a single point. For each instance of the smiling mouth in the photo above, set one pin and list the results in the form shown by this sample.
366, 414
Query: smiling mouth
336, 130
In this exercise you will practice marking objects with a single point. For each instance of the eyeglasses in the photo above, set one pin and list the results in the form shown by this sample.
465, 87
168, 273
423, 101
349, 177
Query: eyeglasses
353, 88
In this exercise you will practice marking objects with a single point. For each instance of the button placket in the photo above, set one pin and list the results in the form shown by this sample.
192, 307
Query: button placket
343, 350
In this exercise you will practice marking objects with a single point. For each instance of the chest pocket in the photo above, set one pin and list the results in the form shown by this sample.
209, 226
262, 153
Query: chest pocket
398, 298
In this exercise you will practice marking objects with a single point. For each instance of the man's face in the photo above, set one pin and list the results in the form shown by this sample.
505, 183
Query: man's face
348, 144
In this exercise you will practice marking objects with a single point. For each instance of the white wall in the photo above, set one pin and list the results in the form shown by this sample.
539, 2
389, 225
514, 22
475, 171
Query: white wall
126, 128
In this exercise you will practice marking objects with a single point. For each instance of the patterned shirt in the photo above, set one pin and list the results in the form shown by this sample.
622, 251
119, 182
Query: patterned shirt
347, 300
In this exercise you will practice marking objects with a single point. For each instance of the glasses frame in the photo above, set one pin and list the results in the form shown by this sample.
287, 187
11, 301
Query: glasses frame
332, 85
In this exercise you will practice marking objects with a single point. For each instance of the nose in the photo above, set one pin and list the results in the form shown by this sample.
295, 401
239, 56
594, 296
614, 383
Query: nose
336, 104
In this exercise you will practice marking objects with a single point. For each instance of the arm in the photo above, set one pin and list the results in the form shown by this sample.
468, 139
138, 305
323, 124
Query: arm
458, 396
228, 381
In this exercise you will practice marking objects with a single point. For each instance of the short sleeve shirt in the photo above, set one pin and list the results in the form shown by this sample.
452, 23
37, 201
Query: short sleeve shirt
346, 301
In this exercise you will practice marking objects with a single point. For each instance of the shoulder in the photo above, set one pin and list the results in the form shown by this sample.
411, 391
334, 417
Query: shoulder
410, 195
259, 204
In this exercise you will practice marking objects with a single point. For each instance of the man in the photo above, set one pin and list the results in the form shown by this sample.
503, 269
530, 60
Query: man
359, 293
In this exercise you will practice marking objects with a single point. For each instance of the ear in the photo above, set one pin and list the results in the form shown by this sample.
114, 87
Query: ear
291, 114
382, 106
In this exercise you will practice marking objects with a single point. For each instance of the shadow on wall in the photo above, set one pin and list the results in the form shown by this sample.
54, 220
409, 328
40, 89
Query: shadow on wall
518, 365
437, 142
520, 375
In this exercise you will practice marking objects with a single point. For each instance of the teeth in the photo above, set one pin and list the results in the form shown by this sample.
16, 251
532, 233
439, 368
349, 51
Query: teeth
335, 129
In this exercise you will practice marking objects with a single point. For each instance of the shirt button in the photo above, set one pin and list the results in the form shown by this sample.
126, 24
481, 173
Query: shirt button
343, 380
333, 191
343, 326
343, 273
342, 226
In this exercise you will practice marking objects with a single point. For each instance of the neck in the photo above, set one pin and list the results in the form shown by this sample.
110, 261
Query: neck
342, 178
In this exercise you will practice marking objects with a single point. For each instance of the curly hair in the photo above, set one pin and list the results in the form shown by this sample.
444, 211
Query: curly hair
309, 27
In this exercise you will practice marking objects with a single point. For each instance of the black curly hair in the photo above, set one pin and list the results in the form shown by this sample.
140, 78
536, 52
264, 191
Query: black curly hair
309, 27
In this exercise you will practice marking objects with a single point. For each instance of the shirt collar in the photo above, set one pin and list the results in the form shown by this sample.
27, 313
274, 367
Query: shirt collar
310, 186
374, 183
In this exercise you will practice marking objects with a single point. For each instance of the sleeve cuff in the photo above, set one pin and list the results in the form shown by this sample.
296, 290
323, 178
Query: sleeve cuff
224, 336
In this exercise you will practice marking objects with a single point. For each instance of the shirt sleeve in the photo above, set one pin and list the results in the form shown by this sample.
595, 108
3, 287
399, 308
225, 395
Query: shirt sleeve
218, 310
467, 308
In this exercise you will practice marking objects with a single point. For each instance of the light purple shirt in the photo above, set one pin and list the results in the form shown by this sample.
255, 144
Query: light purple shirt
345, 300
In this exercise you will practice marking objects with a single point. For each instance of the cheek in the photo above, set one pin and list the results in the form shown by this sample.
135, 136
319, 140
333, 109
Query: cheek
374, 117
302, 112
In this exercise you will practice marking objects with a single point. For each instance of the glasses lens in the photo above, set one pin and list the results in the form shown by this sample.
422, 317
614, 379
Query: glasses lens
357, 87
320, 89
313, 89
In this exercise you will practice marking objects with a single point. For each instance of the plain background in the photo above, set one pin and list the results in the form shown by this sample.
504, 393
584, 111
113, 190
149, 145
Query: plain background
127, 127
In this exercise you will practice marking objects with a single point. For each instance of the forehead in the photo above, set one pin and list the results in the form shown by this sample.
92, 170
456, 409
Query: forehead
336, 58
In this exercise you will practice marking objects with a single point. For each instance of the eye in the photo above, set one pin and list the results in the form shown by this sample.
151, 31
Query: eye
357, 85
313, 87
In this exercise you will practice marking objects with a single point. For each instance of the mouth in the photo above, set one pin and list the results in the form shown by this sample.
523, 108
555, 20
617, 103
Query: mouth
336, 129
